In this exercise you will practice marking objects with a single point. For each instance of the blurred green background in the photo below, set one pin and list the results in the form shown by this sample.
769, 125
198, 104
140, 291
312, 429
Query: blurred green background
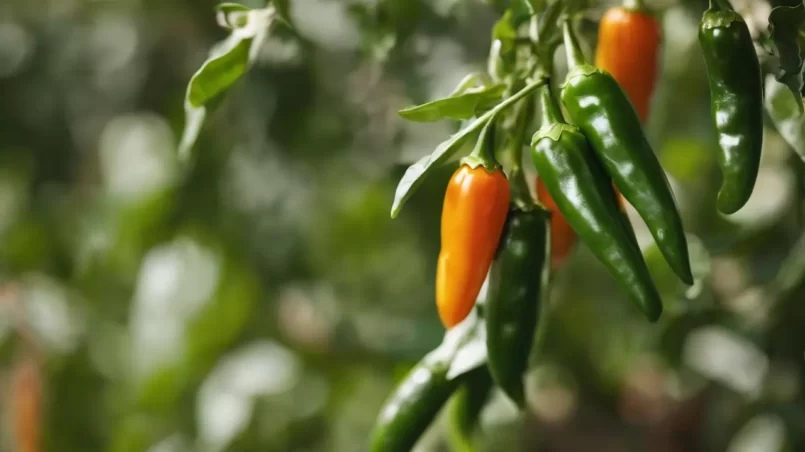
267, 302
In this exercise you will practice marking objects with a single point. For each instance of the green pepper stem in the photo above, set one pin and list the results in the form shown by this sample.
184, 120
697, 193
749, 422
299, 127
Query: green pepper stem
521, 194
551, 113
575, 57
721, 5
484, 152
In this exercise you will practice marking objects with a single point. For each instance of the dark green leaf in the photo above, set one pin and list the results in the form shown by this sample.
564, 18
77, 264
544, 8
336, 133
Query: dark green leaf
417, 172
784, 109
784, 24
463, 106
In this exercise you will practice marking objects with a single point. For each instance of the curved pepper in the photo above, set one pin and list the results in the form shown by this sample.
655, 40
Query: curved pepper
473, 216
736, 102
576, 181
598, 106
466, 406
628, 48
519, 272
414, 405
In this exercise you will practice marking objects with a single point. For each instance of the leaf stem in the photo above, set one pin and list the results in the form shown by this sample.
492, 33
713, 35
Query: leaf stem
575, 57
521, 194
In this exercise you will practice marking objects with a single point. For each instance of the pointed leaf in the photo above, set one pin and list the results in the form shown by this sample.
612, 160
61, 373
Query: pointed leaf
219, 72
462, 106
784, 109
784, 24
417, 172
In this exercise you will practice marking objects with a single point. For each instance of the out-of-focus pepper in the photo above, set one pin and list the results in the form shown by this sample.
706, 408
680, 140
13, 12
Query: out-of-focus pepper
628, 48
414, 404
598, 106
736, 97
27, 406
518, 274
465, 408
474, 212
583, 193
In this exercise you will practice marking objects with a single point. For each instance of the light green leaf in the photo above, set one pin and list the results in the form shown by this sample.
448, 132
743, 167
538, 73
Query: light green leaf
417, 172
784, 24
462, 106
784, 109
226, 64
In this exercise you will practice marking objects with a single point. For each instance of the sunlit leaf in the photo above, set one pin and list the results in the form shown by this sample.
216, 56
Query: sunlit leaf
463, 106
226, 64
784, 109
784, 24
417, 172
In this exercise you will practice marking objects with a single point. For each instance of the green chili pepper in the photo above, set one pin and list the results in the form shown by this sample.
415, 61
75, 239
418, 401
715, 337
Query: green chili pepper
583, 193
518, 274
465, 408
414, 404
736, 102
596, 103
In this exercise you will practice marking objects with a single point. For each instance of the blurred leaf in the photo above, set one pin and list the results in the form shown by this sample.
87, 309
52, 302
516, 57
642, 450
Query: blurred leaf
227, 62
784, 24
784, 110
462, 106
417, 172
283, 8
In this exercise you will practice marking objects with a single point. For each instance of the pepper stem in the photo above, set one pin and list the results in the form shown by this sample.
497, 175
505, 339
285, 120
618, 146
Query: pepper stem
521, 194
575, 57
551, 113
484, 152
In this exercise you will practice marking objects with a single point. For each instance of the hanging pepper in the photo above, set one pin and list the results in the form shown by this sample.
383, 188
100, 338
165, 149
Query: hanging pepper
562, 235
598, 106
583, 193
414, 405
474, 212
519, 272
465, 408
628, 48
736, 101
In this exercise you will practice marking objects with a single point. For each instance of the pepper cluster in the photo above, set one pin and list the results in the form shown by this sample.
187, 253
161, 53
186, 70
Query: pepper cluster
591, 156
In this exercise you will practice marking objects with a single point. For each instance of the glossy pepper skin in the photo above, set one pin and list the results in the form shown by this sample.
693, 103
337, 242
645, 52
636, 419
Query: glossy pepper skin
518, 274
598, 106
474, 212
465, 408
628, 48
736, 98
582, 191
413, 406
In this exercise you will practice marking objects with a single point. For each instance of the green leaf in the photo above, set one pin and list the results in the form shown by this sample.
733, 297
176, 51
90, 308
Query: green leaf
784, 109
462, 106
225, 65
417, 172
784, 24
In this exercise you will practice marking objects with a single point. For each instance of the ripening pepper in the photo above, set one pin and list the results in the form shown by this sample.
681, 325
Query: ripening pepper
27, 406
628, 48
518, 274
583, 193
736, 98
475, 206
414, 404
598, 106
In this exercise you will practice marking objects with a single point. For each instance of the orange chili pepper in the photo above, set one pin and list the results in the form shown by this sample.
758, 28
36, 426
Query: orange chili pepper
628, 47
475, 207
27, 404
